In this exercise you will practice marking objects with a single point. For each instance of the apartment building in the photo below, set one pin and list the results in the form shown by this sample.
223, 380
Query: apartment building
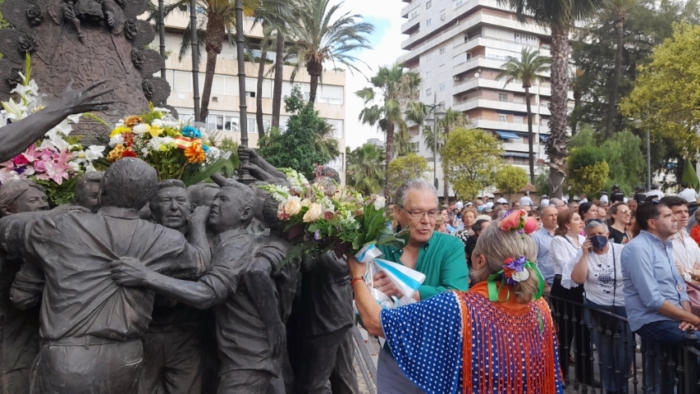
458, 47
224, 104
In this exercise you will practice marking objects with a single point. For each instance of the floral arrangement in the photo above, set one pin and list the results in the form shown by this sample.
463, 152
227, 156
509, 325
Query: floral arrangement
56, 160
324, 216
173, 148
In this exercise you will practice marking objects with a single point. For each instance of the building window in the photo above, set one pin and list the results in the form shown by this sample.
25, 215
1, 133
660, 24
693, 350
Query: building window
414, 146
442, 50
428, 92
443, 15
518, 119
525, 39
502, 97
442, 87
428, 4
502, 117
414, 15
428, 74
428, 22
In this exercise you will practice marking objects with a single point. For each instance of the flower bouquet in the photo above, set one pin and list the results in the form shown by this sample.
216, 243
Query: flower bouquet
326, 217
174, 149
55, 161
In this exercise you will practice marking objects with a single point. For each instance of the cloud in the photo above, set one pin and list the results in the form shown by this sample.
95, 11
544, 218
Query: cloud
386, 42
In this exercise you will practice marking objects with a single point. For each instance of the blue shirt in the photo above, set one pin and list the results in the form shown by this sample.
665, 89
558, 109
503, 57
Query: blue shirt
650, 279
543, 239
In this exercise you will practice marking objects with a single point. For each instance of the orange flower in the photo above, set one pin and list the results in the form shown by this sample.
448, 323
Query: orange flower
195, 154
116, 153
132, 121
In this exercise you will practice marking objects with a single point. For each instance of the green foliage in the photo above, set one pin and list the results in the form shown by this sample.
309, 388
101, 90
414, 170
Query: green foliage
406, 168
588, 171
59, 194
511, 179
297, 147
647, 23
474, 157
365, 169
527, 69
667, 92
3, 23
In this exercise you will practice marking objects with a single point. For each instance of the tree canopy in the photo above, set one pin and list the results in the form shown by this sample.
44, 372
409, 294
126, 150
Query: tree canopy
511, 179
474, 157
297, 147
406, 168
365, 169
588, 171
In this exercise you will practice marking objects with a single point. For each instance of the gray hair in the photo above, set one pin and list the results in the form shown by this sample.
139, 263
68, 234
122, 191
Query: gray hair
553, 202
415, 184
595, 223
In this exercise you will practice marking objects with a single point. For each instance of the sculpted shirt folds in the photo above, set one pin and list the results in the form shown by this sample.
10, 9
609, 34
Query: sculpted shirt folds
240, 331
74, 252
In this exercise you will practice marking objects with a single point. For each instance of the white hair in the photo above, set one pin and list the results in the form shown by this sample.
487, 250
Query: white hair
415, 184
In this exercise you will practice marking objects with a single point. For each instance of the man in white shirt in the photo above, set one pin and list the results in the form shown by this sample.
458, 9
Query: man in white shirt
526, 200
655, 192
688, 194
604, 197
544, 201
686, 252
584, 199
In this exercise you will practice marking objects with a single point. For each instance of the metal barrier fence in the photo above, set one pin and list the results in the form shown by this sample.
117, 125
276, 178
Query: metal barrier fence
599, 354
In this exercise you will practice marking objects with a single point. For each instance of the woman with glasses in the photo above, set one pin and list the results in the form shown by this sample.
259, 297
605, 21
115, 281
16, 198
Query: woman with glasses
599, 270
620, 217
567, 296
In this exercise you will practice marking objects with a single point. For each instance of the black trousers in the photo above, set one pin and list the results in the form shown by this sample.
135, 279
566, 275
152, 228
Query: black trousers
572, 331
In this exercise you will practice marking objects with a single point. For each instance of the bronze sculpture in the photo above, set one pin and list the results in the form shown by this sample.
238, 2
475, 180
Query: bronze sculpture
250, 359
91, 328
19, 329
172, 352
87, 190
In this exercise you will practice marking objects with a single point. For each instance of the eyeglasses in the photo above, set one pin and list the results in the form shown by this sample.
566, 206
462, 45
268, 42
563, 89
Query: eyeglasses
624, 212
418, 214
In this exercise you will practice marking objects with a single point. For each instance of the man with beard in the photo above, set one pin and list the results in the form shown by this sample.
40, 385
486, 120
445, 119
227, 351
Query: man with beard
172, 352
250, 339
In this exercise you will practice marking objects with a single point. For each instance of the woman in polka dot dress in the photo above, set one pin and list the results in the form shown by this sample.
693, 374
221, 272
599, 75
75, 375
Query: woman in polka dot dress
496, 338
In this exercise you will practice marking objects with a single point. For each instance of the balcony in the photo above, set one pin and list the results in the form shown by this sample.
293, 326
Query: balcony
460, 87
477, 62
411, 26
406, 11
504, 126
497, 105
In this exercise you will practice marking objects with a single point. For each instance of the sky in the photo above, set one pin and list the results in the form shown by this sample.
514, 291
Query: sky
385, 15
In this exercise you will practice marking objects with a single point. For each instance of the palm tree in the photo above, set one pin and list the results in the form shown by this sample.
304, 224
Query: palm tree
559, 16
364, 169
527, 69
445, 125
618, 10
397, 91
319, 38
273, 16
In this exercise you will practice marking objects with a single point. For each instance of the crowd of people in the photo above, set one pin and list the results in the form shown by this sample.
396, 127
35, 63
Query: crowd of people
627, 266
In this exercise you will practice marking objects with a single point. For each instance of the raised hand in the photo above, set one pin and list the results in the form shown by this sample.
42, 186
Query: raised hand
199, 216
84, 100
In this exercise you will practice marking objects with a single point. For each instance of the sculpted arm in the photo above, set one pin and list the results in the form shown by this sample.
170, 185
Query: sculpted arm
16, 137
263, 293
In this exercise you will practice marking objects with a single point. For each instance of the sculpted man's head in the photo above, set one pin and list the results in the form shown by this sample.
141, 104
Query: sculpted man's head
17, 196
233, 207
128, 183
87, 190
171, 205
269, 213
418, 209
202, 194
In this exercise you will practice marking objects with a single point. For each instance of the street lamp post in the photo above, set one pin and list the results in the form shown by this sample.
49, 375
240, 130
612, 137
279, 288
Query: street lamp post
438, 113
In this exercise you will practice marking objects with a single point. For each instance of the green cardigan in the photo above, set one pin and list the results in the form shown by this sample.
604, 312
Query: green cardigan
441, 260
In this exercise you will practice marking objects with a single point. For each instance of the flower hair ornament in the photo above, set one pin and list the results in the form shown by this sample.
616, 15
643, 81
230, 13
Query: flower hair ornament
514, 271
518, 221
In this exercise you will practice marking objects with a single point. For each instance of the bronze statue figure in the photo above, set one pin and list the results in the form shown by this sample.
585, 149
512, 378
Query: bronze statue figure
87, 190
91, 328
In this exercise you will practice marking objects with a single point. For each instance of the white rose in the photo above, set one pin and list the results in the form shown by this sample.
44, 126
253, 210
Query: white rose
140, 129
379, 202
313, 214
293, 206
521, 276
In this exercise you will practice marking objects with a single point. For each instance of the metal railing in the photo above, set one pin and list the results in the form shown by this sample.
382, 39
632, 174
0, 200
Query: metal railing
599, 354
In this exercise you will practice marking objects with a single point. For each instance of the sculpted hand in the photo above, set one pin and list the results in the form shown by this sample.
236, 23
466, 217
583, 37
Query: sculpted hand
258, 173
129, 272
277, 338
385, 285
199, 216
84, 100
250, 152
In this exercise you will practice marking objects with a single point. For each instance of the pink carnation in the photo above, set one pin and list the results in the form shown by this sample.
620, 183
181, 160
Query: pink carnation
40, 166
